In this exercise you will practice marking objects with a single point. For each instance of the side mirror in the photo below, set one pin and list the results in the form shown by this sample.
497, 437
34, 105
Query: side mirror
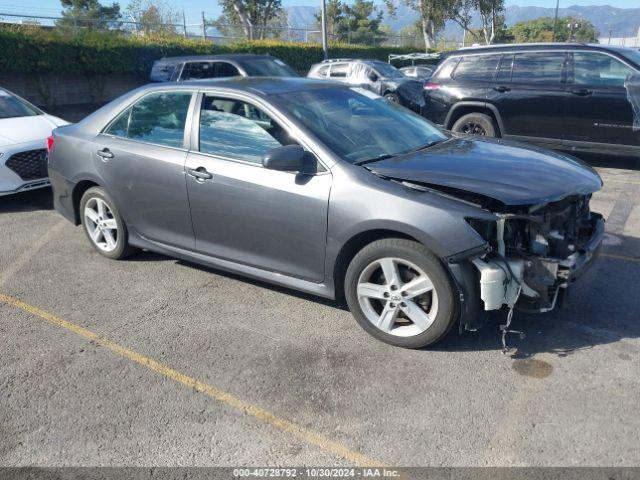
289, 158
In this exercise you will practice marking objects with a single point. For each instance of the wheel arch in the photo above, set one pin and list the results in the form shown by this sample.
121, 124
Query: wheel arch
353, 245
464, 108
76, 195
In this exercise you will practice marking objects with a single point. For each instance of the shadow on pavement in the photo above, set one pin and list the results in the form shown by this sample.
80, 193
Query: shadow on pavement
34, 200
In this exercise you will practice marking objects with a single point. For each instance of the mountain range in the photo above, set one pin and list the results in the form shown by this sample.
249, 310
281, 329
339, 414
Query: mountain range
622, 22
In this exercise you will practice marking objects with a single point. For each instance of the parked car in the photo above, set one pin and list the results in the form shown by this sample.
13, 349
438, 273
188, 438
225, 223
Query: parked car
334, 191
421, 72
378, 77
177, 69
24, 129
565, 96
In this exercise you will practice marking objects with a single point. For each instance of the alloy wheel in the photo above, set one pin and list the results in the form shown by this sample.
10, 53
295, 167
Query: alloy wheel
473, 128
397, 297
101, 224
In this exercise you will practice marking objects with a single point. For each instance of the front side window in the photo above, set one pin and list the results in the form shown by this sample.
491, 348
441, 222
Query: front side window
598, 69
538, 67
236, 129
358, 125
158, 118
12, 106
477, 68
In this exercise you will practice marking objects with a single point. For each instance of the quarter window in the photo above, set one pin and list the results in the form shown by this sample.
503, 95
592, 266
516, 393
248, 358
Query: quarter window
598, 69
538, 67
239, 130
339, 71
477, 67
158, 118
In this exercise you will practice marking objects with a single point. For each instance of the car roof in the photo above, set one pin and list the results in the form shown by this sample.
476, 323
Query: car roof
204, 58
535, 46
262, 85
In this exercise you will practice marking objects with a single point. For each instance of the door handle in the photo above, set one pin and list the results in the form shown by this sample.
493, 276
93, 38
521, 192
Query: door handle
200, 174
105, 153
501, 89
582, 92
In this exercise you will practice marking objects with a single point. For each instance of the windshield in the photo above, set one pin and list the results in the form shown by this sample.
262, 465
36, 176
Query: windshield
268, 67
358, 125
13, 106
386, 70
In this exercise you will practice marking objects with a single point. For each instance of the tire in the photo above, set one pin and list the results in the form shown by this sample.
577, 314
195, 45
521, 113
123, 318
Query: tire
104, 227
475, 124
372, 299
392, 97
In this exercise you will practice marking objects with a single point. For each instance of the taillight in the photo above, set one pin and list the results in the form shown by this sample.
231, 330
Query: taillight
431, 86
50, 144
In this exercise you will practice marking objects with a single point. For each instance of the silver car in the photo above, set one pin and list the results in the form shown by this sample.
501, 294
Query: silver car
331, 190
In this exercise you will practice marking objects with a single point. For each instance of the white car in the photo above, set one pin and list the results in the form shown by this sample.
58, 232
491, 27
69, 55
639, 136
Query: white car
24, 129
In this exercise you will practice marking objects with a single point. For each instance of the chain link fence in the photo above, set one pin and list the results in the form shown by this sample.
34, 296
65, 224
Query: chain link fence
221, 32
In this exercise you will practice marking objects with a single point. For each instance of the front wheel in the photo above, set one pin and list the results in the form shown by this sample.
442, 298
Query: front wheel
103, 224
400, 293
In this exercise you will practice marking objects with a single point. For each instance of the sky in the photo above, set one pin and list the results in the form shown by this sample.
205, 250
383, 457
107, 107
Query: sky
193, 8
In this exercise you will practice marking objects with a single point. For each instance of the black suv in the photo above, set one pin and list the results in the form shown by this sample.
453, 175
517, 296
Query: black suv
566, 96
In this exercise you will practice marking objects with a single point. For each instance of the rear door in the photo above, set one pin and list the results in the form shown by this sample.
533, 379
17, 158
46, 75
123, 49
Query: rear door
598, 108
141, 156
474, 75
242, 212
529, 94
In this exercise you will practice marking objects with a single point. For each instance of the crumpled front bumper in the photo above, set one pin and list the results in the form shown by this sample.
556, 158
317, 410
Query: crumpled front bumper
574, 266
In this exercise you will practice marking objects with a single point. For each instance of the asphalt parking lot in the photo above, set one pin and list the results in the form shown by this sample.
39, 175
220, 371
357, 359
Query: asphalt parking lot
154, 361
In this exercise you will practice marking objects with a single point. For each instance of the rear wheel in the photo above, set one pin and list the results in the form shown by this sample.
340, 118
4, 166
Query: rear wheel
103, 225
475, 124
399, 292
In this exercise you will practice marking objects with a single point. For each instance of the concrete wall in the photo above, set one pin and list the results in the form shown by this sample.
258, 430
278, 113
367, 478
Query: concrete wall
62, 90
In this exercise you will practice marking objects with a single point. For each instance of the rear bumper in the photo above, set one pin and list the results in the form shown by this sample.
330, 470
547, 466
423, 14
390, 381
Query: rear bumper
63, 196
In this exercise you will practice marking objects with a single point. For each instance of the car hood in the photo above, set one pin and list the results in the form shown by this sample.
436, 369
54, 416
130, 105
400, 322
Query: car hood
18, 130
511, 173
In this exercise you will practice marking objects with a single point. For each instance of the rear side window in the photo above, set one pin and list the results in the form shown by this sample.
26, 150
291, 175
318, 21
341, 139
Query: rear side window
339, 71
477, 68
158, 118
538, 67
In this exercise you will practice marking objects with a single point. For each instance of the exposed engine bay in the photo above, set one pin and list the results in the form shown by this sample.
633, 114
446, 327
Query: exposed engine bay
536, 252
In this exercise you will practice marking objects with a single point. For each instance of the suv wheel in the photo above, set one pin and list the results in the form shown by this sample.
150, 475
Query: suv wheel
475, 124
399, 292
103, 225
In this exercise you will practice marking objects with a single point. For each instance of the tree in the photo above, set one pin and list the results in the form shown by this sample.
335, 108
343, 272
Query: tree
89, 13
360, 22
252, 15
492, 25
432, 16
490, 14
541, 30
152, 16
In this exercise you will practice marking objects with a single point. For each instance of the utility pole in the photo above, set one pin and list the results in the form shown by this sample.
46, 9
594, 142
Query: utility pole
555, 20
325, 47
184, 25
204, 27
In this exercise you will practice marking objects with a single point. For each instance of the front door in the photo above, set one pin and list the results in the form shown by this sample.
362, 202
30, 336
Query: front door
598, 110
141, 157
273, 220
529, 94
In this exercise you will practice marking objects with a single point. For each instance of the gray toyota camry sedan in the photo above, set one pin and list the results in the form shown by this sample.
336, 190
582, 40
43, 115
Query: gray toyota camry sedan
331, 190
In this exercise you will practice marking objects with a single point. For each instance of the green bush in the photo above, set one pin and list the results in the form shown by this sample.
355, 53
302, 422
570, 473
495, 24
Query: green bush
41, 51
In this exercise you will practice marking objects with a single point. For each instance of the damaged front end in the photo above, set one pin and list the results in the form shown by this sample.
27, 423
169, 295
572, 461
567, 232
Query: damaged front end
533, 253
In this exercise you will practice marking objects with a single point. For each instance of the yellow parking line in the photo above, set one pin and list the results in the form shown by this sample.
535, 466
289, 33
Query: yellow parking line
621, 257
228, 399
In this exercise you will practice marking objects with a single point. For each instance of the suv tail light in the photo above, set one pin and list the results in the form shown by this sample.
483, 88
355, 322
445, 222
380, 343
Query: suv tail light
431, 86
50, 142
